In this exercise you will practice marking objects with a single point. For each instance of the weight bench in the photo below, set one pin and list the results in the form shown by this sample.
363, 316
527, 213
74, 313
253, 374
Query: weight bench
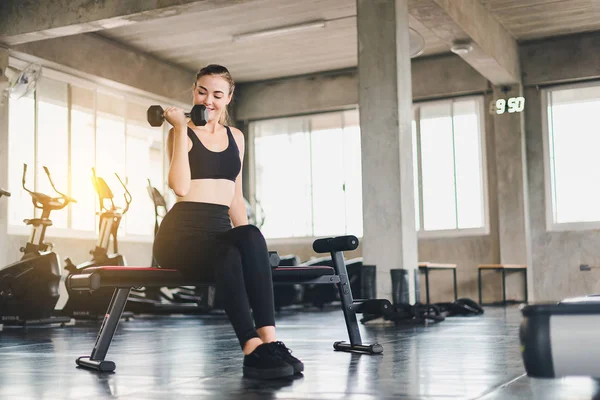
123, 279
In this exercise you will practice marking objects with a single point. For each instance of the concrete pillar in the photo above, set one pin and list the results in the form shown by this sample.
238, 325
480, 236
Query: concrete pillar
511, 170
385, 102
3, 156
247, 175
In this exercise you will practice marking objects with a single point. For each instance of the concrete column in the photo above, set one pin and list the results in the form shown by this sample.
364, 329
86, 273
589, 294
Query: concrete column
3, 156
385, 102
247, 175
511, 169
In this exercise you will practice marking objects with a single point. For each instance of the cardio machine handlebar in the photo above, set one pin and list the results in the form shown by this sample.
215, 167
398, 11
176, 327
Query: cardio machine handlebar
44, 201
104, 193
126, 195
69, 199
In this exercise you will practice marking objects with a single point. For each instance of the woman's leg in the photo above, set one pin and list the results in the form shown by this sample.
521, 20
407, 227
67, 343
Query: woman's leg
261, 360
266, 333
259, 286
231, 288
257, 277
185, 243
209, 259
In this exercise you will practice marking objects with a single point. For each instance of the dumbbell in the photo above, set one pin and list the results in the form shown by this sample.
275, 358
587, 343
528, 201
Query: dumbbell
199, 115
274, 259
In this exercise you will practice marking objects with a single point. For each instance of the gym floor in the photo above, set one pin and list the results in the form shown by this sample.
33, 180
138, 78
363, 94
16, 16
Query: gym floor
181, 357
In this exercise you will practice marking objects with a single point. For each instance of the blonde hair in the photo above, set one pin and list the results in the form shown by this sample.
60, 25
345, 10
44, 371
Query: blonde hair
218, 70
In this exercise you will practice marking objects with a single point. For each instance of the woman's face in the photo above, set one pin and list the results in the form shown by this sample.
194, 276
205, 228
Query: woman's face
213, 92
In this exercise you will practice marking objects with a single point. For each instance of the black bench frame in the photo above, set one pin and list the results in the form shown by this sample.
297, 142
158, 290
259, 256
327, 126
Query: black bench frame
123, 279
426, 268
503, 271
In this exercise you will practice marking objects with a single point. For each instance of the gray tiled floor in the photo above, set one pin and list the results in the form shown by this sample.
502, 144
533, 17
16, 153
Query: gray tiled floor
198, 358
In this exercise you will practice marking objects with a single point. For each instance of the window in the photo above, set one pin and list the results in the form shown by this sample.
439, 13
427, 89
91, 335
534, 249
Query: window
353, 173
52, 134
110, 137
83, 128
572, 145
449, 156
308, 175
417, 185
72, 125
21, 147
283, 176
144, 161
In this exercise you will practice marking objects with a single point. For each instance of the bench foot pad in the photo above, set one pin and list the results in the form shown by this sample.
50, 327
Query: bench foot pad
98, 365
361, 348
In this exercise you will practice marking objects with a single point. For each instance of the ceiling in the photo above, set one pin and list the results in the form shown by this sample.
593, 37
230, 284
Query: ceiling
537, 19
195, 39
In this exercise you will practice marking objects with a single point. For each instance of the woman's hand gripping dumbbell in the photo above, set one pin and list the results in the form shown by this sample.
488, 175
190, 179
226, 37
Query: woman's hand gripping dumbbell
199, 115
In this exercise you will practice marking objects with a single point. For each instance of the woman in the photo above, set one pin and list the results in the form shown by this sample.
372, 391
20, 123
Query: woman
196, 235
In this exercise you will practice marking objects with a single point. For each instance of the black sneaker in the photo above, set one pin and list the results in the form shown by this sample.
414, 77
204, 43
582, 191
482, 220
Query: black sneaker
266, 363
286, 355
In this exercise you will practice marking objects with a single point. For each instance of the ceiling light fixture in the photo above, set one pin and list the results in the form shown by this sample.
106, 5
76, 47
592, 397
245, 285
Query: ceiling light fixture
461, 47
282, 30
416, 40
416, 43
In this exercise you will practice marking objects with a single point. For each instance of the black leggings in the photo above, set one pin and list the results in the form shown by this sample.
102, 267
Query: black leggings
197, 239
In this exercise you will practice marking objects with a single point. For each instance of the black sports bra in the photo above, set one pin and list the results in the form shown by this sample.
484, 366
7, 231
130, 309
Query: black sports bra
207, 164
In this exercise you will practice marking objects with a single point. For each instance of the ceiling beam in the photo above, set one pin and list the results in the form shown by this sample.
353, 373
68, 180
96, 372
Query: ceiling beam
98, 59
432, 78
23, 21
561, 59
494, 54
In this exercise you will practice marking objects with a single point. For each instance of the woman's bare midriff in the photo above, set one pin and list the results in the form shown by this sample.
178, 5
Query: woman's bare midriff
214, 191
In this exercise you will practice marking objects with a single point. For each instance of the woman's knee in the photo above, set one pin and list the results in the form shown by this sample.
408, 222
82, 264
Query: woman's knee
248, 235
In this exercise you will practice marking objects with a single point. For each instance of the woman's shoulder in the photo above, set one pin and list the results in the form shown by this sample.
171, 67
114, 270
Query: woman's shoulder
237, 134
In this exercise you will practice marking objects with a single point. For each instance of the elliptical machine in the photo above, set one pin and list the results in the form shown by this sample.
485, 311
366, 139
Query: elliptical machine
29, 288
160, 210
81, 305
110, 218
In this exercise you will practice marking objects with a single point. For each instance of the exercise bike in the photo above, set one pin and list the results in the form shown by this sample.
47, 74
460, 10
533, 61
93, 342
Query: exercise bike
93, 305
29, 288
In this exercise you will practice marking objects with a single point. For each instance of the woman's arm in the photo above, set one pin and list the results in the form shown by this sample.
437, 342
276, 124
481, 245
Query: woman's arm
237, 210
177, 147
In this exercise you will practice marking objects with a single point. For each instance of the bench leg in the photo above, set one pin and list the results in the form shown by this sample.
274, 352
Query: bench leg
107, 331
525, 282
503, 287
455, 285
349, 312
479, 284
427, 285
